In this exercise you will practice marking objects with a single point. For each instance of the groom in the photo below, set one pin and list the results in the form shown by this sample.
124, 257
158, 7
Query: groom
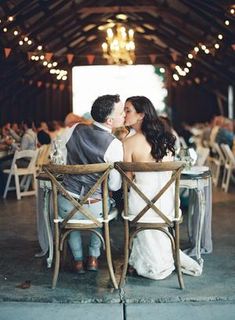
92, 144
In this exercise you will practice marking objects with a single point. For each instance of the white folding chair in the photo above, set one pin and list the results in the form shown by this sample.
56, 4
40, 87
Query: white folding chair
203, 154
217, 162
43, 156
22, 176
228, 167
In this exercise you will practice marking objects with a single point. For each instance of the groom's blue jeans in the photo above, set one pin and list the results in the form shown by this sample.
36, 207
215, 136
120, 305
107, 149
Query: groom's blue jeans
75, 240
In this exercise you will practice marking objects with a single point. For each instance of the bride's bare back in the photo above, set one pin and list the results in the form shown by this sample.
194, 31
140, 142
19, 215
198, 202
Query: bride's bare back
137, 149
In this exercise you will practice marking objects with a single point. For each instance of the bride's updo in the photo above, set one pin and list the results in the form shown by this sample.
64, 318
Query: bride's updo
157, 134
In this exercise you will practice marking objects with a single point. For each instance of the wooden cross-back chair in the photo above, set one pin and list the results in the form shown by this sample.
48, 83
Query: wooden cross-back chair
134, 225
63, 227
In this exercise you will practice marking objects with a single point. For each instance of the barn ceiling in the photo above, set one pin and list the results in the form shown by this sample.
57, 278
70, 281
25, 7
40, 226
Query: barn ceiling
166, 32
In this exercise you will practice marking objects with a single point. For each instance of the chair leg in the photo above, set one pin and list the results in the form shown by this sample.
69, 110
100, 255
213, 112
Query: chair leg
17, 183
27, 183
126, 253
109, 255
23, 182
7, 186
224, 178
177, 258
56, 268
35, 185
228, 179
217, 174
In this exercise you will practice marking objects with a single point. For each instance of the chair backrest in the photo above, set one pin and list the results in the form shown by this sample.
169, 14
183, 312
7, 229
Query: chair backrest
43, 155
203, 154
217, 148
102, 170
30, 155
230, 158
171, 170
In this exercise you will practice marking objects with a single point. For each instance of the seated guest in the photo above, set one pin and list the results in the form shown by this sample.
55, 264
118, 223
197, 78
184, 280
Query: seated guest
28, 142
42, 133
92, 144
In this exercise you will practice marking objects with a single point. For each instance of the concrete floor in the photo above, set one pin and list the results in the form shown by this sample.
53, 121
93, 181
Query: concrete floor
211, 296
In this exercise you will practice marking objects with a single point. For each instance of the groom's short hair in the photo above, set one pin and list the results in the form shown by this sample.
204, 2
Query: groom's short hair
103, 106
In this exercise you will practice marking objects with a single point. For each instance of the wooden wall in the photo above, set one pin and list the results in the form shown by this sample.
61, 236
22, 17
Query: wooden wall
188, 104
31, 102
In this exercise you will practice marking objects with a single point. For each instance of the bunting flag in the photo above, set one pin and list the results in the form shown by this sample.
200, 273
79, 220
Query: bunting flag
70, 58
30, 54
39, 84
90, 58
47, 85
7, 52
233, 46
61, 86
30, 82
54, 86
152, 58
48, 56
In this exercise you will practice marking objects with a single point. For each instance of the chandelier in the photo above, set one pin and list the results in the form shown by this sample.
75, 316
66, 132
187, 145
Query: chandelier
119, 47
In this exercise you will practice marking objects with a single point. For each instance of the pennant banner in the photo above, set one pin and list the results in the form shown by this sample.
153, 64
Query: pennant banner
70, 58
7, 51
39, 84
152, 58
61, 87
54, 86
90, 58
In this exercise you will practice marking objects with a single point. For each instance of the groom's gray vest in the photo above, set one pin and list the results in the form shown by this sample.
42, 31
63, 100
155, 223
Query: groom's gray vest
86, 145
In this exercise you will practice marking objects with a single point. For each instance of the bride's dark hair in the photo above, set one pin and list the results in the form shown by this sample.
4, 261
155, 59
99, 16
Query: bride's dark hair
157, 134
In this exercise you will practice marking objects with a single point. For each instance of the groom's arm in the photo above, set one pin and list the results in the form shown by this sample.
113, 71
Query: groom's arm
114, 153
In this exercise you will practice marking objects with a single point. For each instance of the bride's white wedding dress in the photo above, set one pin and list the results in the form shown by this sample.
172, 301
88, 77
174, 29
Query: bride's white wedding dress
151, 254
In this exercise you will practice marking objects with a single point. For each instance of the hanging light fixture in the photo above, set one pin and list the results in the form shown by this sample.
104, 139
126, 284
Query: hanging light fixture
119, 47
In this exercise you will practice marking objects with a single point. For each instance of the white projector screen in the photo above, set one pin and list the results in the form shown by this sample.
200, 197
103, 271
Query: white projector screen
90, 82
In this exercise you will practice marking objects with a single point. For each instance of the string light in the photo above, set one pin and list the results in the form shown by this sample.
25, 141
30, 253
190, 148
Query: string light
176, 77
24, 40
207, 50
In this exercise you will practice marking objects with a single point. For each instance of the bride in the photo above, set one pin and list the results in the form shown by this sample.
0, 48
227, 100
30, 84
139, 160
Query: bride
151, 254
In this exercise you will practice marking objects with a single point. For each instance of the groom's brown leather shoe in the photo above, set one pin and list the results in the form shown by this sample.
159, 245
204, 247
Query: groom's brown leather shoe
79, 267
92, 264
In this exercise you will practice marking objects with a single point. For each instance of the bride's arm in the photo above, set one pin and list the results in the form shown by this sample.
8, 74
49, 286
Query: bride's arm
128, 152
